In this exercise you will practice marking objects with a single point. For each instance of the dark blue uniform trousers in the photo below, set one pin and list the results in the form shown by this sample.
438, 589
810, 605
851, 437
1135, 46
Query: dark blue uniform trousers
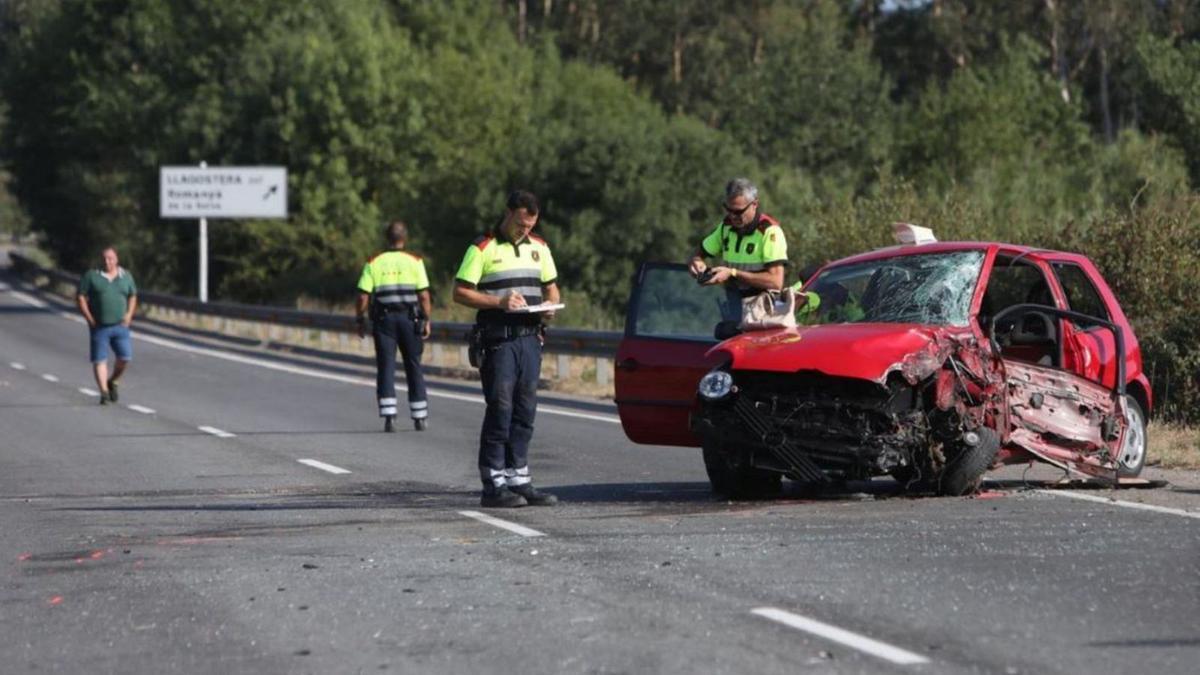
510, 372
392, 329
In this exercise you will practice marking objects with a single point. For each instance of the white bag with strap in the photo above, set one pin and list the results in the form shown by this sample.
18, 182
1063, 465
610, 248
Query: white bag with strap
769, 309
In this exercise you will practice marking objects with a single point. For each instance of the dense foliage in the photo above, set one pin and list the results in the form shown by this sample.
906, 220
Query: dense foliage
1072, 124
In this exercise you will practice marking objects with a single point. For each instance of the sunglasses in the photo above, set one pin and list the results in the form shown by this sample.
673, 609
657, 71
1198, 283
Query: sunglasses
737, 212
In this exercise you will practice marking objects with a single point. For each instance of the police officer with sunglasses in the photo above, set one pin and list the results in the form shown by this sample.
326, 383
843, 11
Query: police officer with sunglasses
750, 243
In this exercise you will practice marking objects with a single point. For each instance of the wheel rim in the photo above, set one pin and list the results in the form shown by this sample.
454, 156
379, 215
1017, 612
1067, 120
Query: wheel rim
1133, 448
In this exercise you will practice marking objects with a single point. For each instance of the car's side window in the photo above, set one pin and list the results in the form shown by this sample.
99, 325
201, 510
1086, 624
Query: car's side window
1082, 295
1011, 285
670, 304
1028, 337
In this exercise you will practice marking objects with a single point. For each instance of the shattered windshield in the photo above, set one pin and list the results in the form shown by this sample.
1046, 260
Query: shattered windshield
932, 289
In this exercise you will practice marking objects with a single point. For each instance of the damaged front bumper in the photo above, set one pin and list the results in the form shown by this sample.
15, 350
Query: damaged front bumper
808, 425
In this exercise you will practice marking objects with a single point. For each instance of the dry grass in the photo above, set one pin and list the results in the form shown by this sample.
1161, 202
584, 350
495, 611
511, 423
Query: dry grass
1174, 446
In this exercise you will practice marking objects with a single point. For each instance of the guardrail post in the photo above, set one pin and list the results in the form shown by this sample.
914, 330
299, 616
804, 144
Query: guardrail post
563, 370
602, 365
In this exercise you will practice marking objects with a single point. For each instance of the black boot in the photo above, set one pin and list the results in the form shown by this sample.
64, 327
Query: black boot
534, 496
420, 424
501, 498
389, 424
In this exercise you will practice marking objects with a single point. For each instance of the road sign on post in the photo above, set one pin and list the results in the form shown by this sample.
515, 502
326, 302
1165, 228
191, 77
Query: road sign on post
221, 192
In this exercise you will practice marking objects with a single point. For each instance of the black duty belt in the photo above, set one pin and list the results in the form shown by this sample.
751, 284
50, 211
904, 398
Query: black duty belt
495, 331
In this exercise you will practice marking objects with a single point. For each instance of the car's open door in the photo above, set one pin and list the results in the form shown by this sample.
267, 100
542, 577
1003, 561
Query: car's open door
1061, 416
668, 329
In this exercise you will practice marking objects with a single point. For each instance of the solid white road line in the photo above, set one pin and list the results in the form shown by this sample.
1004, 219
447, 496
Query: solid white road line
88, 392
502, 524
216, 432
1117, 502
309, 372
323, 466
841, 636
144, 410
17, 366
49, 378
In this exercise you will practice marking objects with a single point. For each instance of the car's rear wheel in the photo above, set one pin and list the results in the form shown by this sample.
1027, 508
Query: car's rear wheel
738, 481
966, 465
1132, 457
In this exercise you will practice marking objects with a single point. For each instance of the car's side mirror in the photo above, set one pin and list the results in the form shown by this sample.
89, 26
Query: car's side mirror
726, 330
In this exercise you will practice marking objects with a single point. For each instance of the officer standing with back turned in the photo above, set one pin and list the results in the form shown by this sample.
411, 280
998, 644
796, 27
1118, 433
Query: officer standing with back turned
502, 272
395, 290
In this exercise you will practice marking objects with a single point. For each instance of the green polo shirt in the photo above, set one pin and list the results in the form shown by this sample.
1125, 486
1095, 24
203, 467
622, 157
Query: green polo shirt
107, 300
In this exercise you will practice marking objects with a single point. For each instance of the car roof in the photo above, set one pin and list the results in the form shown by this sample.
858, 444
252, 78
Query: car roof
946, 247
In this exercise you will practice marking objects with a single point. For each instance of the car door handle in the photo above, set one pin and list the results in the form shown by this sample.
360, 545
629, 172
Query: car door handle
627, 364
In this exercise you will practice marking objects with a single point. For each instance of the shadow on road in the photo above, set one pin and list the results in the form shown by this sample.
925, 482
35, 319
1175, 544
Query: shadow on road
1159, 642
21, 309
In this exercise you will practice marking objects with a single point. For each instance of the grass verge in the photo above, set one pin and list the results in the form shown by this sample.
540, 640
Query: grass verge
1173, 446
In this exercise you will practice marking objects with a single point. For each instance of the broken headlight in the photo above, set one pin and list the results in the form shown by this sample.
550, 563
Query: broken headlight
716, 385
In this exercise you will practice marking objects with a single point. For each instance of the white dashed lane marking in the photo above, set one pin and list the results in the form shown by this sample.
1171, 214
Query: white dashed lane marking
841, 636
219, 433
49, 378
502, 524
145, 411
88, 392
17, 366
323, 466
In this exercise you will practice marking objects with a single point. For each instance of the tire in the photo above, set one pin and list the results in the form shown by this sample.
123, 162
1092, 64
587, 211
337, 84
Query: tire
907, 476
1132, 457
964, 472
741, 482
720, 476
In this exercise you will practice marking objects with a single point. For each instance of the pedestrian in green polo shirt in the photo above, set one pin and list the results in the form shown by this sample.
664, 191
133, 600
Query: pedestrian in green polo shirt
107, 299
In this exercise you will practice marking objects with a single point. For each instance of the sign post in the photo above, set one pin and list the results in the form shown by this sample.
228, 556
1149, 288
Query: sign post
221, 192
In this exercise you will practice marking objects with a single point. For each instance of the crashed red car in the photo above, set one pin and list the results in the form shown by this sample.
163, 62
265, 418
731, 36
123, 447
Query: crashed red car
931, 363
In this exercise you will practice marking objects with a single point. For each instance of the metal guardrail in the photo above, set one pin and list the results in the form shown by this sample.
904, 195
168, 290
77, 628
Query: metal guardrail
558, 340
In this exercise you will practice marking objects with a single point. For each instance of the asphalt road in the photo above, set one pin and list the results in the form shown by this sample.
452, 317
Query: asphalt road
134, 541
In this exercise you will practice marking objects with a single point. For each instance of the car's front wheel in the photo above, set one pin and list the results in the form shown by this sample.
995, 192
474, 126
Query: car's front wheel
740, 481
1132, 457
965, 467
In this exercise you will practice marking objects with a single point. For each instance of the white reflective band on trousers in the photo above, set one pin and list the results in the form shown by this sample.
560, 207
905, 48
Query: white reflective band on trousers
517, 476
493, 476
387, 406
418, 409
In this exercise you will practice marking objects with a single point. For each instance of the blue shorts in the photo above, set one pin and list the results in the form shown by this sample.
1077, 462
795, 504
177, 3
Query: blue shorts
115, 335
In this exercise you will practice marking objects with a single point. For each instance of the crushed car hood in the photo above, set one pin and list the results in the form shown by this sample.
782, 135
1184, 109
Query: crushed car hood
867, 351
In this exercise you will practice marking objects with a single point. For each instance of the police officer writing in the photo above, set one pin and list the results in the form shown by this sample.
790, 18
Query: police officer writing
502, 274
395, 290
751, 245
